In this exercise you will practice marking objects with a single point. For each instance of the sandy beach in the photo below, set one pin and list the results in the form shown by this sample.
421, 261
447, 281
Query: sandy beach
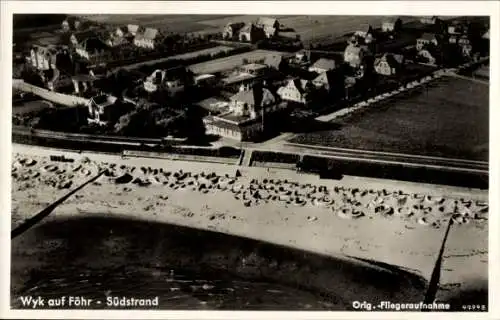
393, 222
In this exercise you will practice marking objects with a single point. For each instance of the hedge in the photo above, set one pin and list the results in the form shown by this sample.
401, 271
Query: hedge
269, 156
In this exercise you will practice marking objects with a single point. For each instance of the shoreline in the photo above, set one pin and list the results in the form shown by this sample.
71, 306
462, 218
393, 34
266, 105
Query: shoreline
401, 242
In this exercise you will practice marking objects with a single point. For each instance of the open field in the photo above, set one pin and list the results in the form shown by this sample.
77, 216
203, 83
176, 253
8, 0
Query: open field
228, 63
315, 27
170, 23
308, 27
449, 119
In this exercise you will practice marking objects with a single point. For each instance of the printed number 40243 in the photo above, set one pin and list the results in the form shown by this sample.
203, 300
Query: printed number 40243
474, 307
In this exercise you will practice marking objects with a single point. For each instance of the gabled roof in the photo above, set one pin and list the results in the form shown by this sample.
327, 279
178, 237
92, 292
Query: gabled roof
266, 21
104, 100
394, 60
235, 26
254, 96
428, 36
273, 61
325, 64
92, 44
83, 35
391, 19
325, 77
486, 35
247, 27
132, 28
151, 33
353, 49
300, 84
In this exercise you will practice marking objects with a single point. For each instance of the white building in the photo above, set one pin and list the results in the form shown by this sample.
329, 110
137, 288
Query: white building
99, 108
147, 39
322, 65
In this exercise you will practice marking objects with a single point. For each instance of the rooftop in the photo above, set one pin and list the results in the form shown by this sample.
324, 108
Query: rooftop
234, 118
237, 78
428, 36
104, 100
267, 21
213, 104
326, 64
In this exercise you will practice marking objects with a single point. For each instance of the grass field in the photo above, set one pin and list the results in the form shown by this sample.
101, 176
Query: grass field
450, 119
228, 63
308, 27
171, 23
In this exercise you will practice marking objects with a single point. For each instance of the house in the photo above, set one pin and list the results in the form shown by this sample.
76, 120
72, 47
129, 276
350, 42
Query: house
354, 55
326, 80
43, 58
457, 28
100, 108
463, 40
91, 48
205, 80
214, 105
322, 65
465, 45
301, 57
389, 64
453, 39
486, 35
427, 56
133, 29
231, 30
254, 69
247, 75
251, 102
426, 39
275, 62
251, 33
296, 90
65, 25
270, 26
77, 38
168, 80
147, 39
392, 25
246, 116
363, 36
245, 34
429, 20
115, 37
72, 23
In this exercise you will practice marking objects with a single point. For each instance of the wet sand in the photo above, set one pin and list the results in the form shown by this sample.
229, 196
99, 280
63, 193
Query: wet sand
401, 224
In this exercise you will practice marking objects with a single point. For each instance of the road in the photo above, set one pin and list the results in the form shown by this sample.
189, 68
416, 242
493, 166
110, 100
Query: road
280, 144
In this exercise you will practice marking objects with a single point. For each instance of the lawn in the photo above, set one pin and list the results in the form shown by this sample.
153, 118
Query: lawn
22, 108
449, 119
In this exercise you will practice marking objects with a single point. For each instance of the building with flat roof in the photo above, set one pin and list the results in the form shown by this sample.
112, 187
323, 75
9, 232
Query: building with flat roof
245, 118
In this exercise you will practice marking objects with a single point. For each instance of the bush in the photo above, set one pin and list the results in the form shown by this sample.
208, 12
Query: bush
268, 156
